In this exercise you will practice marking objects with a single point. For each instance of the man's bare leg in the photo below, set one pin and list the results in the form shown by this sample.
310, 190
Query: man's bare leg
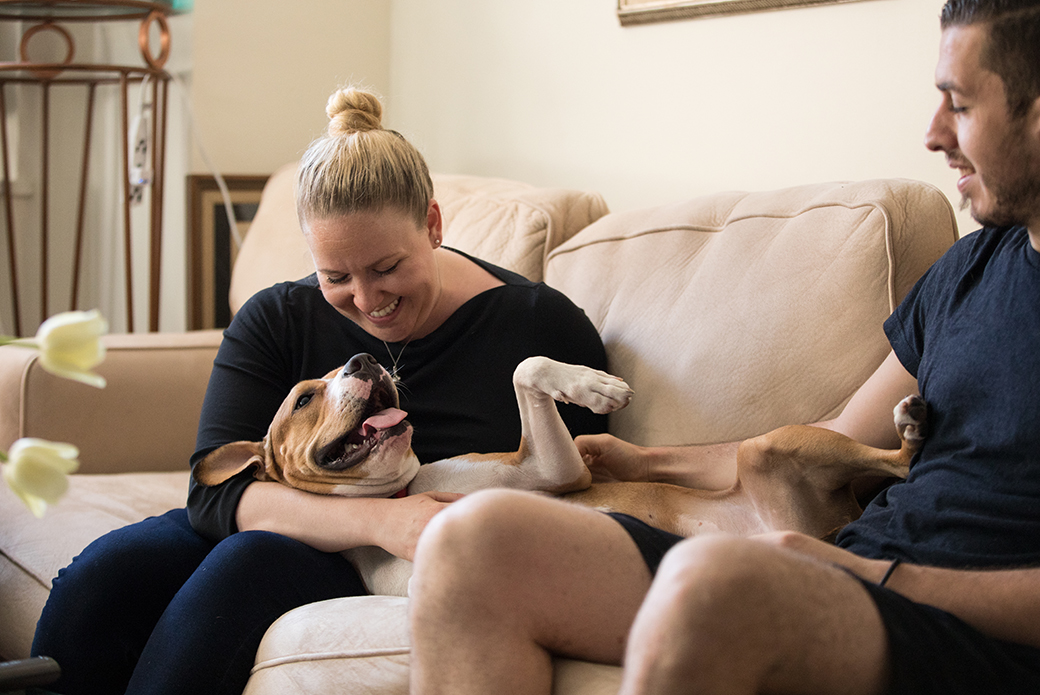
730, 615
503, 578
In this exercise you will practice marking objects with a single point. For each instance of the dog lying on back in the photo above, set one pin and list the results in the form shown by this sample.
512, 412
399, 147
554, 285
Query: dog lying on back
345, 434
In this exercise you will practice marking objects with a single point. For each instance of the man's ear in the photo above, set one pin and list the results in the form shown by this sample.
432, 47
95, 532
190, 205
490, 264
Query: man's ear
227, 461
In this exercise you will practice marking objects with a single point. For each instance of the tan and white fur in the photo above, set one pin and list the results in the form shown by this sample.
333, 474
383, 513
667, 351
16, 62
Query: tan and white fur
344, 434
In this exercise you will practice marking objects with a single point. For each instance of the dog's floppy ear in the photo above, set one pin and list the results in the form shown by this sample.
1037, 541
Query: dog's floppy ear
223, 463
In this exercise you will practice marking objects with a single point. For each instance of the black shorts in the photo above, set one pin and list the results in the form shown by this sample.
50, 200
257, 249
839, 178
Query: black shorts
652, 542
932, 652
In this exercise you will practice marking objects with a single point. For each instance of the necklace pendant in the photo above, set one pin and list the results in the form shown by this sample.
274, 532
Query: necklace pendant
394, 376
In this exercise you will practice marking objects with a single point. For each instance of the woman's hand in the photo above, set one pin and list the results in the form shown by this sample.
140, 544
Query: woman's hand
408, 519
612, 460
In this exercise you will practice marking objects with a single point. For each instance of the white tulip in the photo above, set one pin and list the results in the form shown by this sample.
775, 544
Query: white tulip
70, 345
36, 470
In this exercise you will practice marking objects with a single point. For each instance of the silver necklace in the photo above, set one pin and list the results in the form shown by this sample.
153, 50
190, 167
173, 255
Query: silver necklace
393, 370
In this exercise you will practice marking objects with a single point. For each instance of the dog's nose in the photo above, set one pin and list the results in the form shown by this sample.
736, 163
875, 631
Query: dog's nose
363, 363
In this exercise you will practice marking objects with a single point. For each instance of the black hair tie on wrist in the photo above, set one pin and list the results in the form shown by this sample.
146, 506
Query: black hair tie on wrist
889, 571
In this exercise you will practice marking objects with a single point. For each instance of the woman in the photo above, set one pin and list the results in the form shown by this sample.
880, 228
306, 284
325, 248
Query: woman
179, 603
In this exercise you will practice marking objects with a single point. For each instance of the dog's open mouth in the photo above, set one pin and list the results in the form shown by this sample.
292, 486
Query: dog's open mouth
355, 446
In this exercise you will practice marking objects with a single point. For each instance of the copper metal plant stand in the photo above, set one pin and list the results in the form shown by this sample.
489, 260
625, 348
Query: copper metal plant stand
43, 16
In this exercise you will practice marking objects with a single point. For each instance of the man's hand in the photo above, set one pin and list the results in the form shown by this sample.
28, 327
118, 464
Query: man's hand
870, 570
612, 460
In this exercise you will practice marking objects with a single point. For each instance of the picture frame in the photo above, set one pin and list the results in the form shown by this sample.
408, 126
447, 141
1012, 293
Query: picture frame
211, 247
634, 12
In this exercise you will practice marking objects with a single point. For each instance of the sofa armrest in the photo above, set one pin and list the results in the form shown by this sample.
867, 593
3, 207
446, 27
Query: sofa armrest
144, 420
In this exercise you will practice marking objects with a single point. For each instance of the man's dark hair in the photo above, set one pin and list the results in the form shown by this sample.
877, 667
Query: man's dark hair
1012, 49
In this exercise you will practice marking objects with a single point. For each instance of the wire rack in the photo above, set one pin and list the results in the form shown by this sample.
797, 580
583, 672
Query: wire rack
46, 17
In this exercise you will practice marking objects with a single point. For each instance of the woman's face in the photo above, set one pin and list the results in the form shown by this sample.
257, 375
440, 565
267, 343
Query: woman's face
379, 269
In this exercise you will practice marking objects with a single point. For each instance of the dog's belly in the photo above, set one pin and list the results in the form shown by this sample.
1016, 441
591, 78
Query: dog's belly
465, 474
675, 509
382, 573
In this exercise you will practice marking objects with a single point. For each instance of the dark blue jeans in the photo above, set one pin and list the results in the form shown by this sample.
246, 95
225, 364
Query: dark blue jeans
155, 608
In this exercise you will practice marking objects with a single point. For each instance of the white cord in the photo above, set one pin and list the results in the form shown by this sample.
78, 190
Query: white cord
140, 138
229, 209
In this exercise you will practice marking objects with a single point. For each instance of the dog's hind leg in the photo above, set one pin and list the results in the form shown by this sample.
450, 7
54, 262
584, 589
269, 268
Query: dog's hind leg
548, 458
911, 417
808, 474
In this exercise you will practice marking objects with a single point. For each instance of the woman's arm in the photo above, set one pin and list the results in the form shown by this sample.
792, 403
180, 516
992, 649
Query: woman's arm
333, 524
259, 361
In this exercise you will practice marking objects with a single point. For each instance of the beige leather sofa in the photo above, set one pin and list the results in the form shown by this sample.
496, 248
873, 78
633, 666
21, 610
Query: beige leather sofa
729, 315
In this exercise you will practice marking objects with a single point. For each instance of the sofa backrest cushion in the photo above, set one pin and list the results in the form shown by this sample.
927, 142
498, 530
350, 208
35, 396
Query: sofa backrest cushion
736, 313
508, 223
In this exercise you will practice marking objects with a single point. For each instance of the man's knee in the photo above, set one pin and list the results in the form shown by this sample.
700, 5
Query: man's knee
476, 524
734, 572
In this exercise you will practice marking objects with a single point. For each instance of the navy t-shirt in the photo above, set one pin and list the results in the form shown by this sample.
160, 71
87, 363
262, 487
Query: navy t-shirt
970, 332
456, 383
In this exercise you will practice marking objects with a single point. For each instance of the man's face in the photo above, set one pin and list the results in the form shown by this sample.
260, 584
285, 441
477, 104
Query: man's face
997, 155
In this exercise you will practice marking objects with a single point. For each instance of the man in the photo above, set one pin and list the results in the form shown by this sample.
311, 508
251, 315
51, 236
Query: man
504, 579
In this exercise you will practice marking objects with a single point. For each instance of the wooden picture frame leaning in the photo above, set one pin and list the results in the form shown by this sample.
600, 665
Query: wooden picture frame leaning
211, 248
632, 12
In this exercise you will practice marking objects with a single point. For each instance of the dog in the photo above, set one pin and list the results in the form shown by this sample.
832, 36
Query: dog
345, 434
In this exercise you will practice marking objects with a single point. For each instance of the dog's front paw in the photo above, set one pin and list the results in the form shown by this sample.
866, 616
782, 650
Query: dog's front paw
571, 383
598, 391
911, 416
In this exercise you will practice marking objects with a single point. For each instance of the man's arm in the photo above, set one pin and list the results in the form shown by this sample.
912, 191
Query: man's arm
867, 418
1002, 603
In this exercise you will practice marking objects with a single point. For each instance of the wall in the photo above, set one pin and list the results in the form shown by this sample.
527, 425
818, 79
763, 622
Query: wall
559, 94
556, 94
263, 70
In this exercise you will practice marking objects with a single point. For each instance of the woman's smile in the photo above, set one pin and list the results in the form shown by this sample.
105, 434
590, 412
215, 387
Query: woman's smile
385, 311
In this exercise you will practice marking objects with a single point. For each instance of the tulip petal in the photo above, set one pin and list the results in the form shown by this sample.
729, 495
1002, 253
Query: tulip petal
37, 506
70, 345
37, 471
71, 373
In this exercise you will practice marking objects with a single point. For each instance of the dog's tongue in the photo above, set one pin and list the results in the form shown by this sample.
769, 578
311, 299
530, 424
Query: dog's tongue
383, 420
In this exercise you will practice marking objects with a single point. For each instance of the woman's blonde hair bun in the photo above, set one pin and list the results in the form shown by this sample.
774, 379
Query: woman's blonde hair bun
351, 110
358, 165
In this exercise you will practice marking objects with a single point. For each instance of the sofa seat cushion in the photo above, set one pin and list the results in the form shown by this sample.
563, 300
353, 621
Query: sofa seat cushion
736, 313
361, 645
32, 550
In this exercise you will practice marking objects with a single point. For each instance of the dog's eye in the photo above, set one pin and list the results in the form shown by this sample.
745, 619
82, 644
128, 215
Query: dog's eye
303, 400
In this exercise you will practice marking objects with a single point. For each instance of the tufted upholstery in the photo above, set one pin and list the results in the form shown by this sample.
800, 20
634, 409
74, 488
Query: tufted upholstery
742, 312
